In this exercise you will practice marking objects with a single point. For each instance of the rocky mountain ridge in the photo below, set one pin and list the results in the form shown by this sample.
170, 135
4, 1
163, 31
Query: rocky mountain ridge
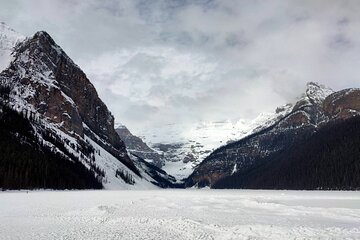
138, 147
314, 109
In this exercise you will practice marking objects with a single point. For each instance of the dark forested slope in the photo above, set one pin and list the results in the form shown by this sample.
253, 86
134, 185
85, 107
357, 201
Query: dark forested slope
329, 159
26, 163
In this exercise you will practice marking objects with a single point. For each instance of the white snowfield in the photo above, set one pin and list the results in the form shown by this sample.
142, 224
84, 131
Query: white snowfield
180, 214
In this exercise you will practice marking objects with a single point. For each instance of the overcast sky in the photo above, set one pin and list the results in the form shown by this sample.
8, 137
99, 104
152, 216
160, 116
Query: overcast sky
157, 62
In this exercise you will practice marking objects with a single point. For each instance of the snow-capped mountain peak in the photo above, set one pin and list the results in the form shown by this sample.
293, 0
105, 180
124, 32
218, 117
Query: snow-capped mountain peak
317, 92
8, 39
8, 36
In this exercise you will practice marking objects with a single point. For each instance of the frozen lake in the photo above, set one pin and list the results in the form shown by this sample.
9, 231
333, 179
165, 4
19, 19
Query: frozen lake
180, 214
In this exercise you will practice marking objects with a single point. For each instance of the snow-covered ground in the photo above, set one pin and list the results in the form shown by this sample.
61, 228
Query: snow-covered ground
180, 214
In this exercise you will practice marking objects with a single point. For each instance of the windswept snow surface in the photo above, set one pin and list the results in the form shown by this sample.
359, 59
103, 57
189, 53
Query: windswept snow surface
180, 214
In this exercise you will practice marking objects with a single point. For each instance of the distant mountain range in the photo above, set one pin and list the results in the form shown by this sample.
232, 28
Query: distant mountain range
183, 148
57, 133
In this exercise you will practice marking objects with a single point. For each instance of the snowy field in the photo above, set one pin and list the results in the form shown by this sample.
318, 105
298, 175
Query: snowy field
180, 214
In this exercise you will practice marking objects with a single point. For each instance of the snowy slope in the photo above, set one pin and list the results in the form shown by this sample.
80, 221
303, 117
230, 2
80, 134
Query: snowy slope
110, 164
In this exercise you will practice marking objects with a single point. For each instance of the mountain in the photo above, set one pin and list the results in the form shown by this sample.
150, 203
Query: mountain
147, 159
8, 39
62, 116
316, 108
328, 160
136, 146
183, 148
57, 133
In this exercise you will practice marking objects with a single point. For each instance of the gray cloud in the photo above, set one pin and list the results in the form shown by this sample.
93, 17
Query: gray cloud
164, 61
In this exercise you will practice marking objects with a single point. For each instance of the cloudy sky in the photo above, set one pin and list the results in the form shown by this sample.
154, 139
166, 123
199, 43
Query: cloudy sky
170, 61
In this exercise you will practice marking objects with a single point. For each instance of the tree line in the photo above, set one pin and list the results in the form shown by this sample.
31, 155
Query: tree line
28, 163
329, 159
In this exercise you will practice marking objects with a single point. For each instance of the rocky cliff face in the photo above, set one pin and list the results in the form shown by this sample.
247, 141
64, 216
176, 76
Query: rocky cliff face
138, 147
343, 104
316, 107
57, 88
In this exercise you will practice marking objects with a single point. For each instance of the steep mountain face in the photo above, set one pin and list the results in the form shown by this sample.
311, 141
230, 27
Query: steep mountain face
136, 146
62, 91
343, 104
316, 108
327, 160
66, 114
48, 81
